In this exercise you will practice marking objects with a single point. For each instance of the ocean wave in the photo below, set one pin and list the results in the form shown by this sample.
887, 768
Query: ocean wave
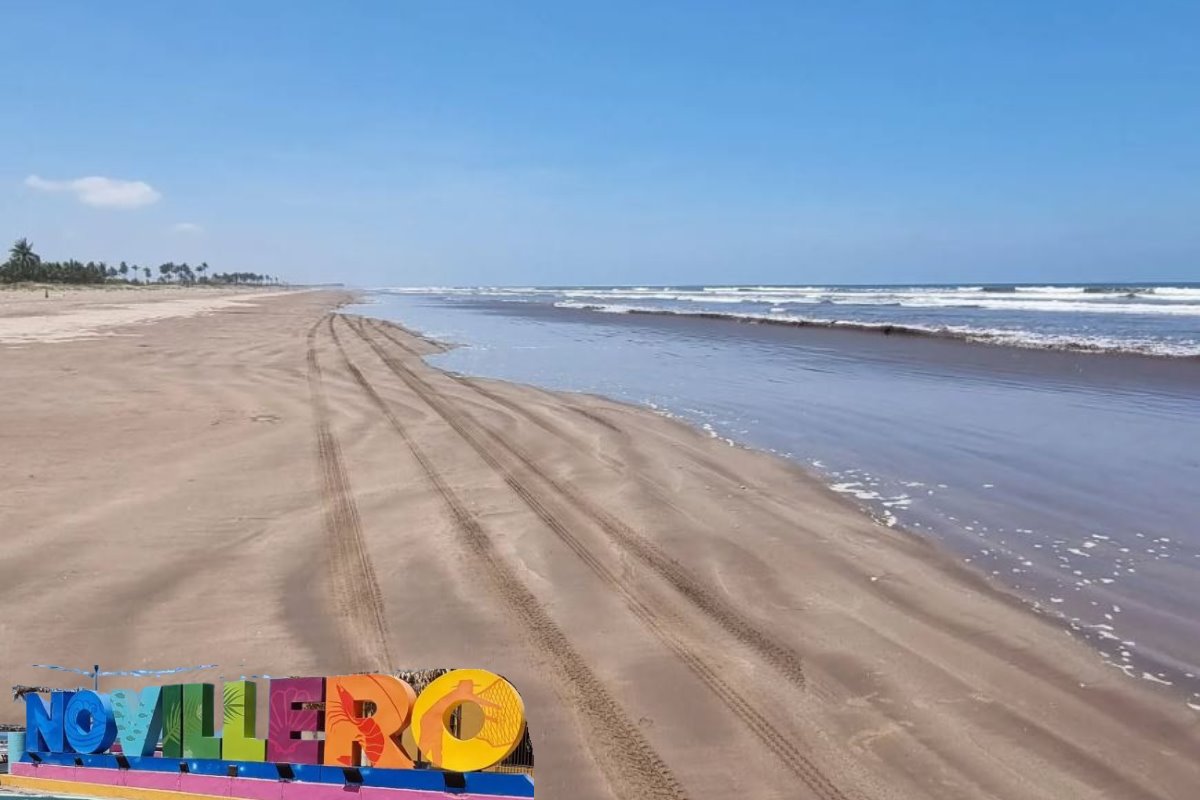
1101, 299
1010, 301
1136, 318
996, 336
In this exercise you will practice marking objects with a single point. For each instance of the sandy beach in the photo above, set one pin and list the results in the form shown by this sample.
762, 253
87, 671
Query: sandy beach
62, 313
258, 481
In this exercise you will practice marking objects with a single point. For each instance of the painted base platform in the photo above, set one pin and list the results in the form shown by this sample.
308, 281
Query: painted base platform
125, 784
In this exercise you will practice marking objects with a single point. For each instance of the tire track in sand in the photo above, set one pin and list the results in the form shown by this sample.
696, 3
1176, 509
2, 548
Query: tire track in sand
356, 590
630, 765
1048, 740
783, 658
771, 737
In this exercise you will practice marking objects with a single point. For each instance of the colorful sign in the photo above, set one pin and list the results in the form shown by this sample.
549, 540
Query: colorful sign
344, 721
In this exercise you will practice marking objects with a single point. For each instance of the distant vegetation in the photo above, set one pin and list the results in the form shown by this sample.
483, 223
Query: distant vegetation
26, 266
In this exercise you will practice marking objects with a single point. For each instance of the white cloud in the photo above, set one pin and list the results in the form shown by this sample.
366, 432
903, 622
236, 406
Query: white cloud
101, 192
190, 228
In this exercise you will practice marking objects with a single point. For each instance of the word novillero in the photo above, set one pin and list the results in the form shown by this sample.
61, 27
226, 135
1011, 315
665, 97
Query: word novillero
343, 721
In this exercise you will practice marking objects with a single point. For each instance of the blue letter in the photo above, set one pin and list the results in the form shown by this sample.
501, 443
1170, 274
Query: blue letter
89, 723
139, 719
44, 723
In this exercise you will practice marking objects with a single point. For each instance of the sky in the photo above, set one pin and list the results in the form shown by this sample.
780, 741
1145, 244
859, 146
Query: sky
528, 143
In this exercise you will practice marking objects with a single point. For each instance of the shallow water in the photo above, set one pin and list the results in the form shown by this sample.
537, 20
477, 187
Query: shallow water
1069, 477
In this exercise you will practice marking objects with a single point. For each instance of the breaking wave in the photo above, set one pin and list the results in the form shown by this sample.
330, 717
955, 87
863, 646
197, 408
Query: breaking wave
998, 336
1150, 319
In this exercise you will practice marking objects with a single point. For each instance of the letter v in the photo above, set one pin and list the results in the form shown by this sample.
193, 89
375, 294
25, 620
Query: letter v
139, 719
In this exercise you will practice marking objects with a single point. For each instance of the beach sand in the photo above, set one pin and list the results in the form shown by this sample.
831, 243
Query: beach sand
58, 314
278, 490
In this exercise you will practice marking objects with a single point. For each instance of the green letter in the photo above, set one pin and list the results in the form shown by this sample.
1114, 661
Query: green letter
172, 721
198, 738
238, 742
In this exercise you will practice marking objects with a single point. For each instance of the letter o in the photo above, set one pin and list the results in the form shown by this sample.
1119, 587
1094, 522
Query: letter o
503, 726
89, 723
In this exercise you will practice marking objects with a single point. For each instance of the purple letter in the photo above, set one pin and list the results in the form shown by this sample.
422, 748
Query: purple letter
289, 718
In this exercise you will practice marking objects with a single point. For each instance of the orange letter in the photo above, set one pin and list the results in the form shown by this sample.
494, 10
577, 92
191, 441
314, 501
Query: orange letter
350, 732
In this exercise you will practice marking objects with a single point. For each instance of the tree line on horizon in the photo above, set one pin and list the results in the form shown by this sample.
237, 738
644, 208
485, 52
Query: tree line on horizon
26, 266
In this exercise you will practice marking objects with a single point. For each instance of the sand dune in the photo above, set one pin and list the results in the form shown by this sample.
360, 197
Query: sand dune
282, 490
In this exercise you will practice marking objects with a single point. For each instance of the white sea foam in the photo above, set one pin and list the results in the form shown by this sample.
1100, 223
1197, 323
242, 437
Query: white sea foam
1134, 299
862, 307
1003, 336
1146, 676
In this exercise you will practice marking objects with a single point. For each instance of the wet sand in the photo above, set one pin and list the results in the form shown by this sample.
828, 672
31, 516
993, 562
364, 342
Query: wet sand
284, 491
1068, 477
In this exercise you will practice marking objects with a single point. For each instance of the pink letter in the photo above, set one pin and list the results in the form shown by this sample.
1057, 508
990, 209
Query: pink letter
290, 717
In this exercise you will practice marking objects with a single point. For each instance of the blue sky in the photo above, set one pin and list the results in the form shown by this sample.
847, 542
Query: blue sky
403, 143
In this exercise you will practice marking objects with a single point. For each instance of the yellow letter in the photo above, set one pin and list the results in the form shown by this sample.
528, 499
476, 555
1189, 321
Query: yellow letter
503, 720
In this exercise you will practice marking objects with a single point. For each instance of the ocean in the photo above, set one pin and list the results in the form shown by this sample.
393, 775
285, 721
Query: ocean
1048, 435
1142, 318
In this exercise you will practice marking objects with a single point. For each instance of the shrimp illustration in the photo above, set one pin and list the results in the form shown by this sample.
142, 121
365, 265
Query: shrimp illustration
349, 725
342, 712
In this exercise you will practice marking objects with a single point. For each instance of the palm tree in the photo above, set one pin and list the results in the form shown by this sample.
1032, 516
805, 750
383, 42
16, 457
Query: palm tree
123, 269
146, 272
165, 271
22, 261
22, 252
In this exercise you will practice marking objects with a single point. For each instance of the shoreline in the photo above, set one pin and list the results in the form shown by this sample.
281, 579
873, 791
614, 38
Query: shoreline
974, 573
1139, 625
667, 604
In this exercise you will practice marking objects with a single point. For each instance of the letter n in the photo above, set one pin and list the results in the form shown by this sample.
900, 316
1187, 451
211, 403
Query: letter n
44, 731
